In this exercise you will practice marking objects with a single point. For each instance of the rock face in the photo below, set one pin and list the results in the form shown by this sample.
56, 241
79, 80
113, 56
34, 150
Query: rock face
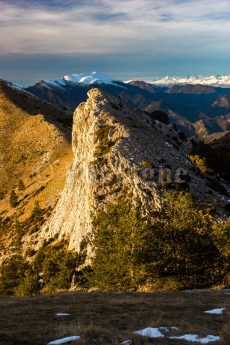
118, 151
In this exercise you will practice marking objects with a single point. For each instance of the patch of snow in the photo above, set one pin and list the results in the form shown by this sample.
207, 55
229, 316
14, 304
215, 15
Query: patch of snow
14, 86
20, 89
59, 83
126, 342
154, 332
220, 81
62, 314
64, 340
27, 93
150, 332
195, 338
167, 329
216, 311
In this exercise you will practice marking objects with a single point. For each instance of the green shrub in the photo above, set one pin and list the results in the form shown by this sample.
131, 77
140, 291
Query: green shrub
103, 142
200, 163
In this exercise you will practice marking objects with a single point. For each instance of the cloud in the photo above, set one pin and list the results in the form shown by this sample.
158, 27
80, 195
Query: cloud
130, 38
106, 26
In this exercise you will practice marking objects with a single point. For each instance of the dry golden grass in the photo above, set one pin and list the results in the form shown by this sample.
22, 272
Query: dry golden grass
31, 141
35, 147
109, 318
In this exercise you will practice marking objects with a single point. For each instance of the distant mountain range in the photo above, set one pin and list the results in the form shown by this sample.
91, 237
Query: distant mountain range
196, 109
217, 80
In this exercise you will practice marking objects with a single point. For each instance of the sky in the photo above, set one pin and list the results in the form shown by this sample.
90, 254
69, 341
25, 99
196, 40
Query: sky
126, 39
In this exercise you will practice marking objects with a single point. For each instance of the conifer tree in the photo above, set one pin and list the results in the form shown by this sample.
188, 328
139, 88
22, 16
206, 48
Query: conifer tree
117, 241
21, 185
13, 198
174, 244
36, 214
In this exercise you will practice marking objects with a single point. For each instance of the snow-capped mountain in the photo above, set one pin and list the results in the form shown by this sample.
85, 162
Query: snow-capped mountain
82, 79
218, 81
92, 78
184, 103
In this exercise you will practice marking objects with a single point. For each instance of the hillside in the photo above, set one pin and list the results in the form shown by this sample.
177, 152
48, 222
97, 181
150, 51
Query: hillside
35, 151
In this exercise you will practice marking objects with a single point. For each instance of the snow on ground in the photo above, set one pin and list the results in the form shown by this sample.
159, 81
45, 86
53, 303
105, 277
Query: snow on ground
59, 83
195, 338
154, 332
216, 311
150, 332
20, 89
64, 340
62, 314
221, 81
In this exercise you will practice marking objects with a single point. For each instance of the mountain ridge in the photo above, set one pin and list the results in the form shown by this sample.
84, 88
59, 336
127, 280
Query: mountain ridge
117, 150
185, 104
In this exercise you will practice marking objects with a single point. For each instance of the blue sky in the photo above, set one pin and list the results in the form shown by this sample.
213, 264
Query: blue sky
124, 38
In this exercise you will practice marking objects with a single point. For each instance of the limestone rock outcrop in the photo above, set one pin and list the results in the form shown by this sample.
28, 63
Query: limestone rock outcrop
118, 151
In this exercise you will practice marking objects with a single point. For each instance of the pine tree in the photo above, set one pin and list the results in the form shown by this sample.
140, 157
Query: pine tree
181, 245
11, 275
36, 214
21, 185
13, 198
117, 241
173, 246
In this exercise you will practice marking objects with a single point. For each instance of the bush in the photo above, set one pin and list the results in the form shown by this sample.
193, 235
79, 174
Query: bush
103, 142
216, 158
200, 163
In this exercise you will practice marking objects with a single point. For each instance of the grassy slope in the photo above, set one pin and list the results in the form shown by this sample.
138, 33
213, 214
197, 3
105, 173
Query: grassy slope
104, 319
35, 147
31, 141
